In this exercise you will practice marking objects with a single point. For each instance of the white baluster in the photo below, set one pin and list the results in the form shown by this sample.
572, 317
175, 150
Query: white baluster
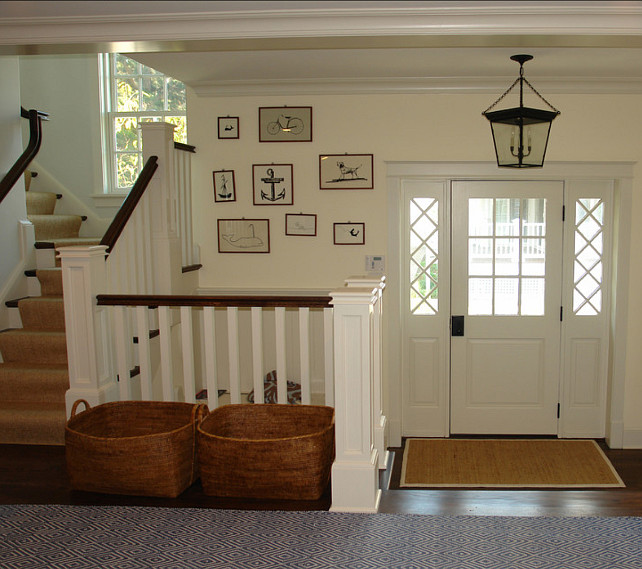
304, 354
144, 353
122, 338
257, 354
233, 351
328, 351
209, 347
167, 370
187, 342
281, 368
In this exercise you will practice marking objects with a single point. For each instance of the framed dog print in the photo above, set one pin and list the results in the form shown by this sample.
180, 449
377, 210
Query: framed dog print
243, 235
304, 224
346, 172
228, 127
349, 233
273, 184
285, 124
224, 186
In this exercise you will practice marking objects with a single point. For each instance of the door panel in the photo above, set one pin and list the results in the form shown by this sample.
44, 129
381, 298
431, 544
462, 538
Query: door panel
506, 281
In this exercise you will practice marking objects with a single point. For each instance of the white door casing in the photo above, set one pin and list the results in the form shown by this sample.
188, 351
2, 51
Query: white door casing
591, 406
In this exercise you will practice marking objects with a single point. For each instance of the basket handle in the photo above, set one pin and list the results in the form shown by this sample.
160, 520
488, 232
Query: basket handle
75, 406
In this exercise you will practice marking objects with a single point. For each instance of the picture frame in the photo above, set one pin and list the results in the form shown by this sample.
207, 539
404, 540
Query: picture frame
228, 127
285, 124
301, 224
349, 233
224, 185
243, 235
273, 184
346, 171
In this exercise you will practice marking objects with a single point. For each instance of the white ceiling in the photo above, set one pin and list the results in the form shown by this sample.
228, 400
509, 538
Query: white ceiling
238, 48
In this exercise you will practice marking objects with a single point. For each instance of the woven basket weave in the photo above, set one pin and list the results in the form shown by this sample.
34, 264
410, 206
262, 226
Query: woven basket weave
267, 451
141, 448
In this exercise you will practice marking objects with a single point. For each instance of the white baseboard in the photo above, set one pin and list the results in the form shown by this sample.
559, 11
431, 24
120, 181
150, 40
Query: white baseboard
632, 439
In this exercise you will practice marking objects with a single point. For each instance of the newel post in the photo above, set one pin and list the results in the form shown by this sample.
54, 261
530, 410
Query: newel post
86, 324
158, 140
355, 472
380, 419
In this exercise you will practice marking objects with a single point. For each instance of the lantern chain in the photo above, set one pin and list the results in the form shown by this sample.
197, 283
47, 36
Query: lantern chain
511, 88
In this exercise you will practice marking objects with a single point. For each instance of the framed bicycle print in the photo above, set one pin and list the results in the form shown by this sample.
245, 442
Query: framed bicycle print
303, 224
285, 124
228, 127
273, 184
224, 186
243, 235
349, 233
346, 171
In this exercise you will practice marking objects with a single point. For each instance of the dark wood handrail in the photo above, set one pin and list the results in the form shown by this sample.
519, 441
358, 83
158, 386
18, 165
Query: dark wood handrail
124, 213
153, 301
185, 147
35, 139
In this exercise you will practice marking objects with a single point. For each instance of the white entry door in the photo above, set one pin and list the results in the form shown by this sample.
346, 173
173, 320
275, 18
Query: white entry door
506, 298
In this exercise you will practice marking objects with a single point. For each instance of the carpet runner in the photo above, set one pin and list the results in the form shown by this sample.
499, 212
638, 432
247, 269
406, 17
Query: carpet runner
57, 537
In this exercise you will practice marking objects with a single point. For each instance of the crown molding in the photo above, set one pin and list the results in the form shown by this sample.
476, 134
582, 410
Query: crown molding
445, 23
411, 85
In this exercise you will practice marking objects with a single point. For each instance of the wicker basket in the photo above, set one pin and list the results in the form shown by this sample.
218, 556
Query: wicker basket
141, 448
267, 451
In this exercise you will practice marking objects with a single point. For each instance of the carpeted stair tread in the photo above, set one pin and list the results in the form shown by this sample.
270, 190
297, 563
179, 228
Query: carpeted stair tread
42, 313
33, 382
48, 227
41, 203
38, 346
50, 281
32, 423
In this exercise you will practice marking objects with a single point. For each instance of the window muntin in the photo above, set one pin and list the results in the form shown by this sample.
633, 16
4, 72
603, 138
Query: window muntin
506, 256
588, 266
424, 256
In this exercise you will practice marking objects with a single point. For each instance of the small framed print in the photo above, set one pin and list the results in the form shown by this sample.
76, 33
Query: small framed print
285, 124
224, 186
273, 184
228, 127
243, 235
349, 233
304, 224
346, 171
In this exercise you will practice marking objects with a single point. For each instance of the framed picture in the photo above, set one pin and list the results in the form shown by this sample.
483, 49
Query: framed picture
349, 233
224, 186
243, 235
285, 124
273, 184
304, 224
228, 127
346, 172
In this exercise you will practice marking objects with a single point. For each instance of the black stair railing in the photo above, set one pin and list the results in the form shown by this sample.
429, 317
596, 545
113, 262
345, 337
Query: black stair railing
35, 139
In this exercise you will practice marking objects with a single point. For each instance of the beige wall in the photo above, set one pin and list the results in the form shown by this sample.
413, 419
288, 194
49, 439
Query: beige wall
440, 128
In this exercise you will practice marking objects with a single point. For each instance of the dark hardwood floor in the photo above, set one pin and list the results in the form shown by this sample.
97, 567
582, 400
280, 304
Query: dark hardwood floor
37, 475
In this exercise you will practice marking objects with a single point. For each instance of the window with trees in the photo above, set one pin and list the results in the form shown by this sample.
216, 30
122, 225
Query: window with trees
134, 93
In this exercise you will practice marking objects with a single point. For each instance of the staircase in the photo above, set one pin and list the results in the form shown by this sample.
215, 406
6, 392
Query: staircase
34, 376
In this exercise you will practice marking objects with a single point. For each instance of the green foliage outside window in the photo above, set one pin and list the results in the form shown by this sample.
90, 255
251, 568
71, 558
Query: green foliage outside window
141, 94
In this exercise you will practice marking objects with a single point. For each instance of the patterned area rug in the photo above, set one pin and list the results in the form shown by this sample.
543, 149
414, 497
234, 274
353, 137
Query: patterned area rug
56, 536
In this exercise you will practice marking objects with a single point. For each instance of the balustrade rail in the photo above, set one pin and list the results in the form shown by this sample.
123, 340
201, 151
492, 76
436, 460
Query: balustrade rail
221, 344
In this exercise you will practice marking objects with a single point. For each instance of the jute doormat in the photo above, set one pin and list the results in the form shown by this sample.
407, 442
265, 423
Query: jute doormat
506, 463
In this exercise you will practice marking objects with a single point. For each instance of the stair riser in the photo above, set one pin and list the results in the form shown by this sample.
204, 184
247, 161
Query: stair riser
32, 428
37, 314
29, 385
50, 282
45, 348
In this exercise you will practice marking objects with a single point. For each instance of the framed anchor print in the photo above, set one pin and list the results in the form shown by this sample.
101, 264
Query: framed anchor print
224, 186
273, 184
243, 235
349, 233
